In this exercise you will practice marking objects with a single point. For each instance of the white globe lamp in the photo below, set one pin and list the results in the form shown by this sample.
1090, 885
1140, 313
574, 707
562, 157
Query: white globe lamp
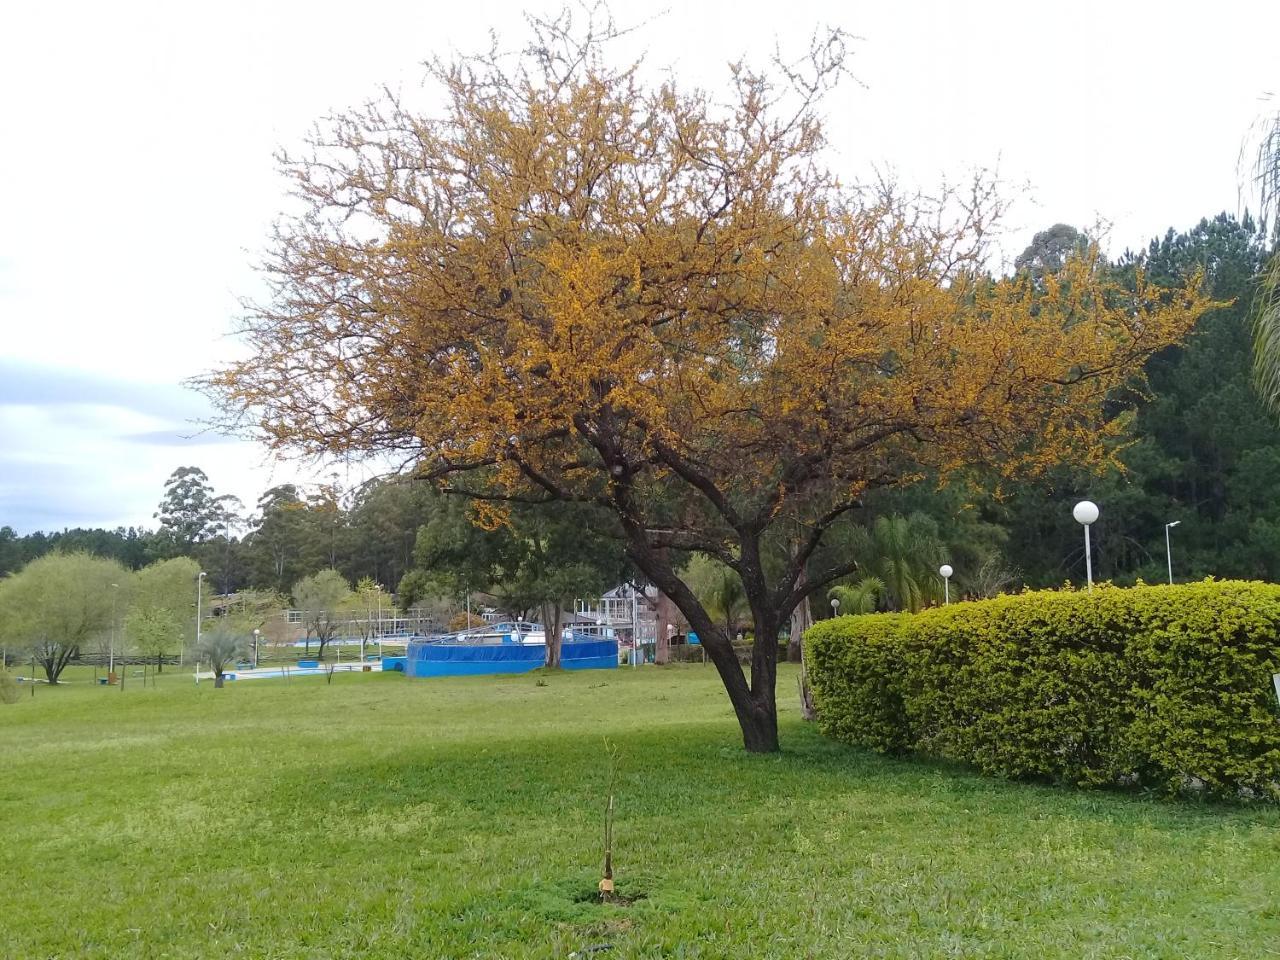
1086, 512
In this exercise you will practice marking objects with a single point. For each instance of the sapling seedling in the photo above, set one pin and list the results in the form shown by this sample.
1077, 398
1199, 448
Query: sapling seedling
606, 882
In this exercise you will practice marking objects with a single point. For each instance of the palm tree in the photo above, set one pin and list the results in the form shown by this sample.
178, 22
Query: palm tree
898, 556
221, 646
1266, 330
863, 597
720, 590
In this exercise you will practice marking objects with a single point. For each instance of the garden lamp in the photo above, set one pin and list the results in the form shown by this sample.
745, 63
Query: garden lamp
1168, 551
1086, 512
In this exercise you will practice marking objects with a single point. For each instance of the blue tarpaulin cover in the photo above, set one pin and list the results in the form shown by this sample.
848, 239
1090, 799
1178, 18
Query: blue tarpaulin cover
443, 659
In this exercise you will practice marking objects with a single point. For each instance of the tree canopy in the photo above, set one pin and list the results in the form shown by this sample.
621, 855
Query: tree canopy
321, 598
162, 610
189, 513
574, 285
58, 603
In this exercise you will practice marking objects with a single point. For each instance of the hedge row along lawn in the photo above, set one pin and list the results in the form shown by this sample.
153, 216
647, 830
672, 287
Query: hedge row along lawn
1163, 687
381, 817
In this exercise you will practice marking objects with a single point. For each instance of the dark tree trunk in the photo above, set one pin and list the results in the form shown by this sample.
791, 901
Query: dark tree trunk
55, 662
217, 681
551, 628
764, 682
757, 716
159, 664
755, 703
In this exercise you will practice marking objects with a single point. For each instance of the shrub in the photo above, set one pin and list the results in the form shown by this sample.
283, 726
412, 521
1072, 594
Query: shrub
687, 653
9, 692
856, 678
465, 621
1155, 686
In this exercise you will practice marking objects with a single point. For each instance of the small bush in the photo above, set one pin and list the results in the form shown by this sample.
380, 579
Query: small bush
687, 653
465, 621
9, 692
1155, 686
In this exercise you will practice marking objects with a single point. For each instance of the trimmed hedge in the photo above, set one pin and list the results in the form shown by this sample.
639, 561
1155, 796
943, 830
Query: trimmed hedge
1165, 687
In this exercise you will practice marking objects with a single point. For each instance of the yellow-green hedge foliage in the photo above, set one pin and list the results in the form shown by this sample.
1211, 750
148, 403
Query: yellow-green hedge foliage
1167, 687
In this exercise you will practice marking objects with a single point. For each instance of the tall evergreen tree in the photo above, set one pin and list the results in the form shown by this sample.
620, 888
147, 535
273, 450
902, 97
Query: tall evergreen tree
189, 512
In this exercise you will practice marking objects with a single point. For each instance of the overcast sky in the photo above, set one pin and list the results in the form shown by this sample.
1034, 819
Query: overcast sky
136, 144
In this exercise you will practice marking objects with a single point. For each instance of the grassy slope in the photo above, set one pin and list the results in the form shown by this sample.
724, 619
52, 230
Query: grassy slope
383, 817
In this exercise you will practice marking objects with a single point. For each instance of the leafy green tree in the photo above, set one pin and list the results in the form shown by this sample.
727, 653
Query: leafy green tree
415, 588
58, 603
276, 542
363, 608
455, 556
720, 590
223, 554
162, 612
10, 550
1049, 250
321, 598
863, 596
131, 546
384, 519
542, 559
325, 542
153, 632
189, 512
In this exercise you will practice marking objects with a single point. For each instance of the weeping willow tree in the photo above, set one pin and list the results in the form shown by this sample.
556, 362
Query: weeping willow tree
1265, 174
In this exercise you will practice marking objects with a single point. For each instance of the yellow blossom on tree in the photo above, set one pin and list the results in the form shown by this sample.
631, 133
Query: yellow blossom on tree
572, 285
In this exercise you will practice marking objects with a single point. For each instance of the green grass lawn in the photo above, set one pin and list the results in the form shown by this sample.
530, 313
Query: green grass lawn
385, 817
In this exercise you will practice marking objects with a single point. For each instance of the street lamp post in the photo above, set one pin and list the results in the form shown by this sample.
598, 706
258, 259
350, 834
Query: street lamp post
945, 572
199, 593
1085, 513
256, 633
111, 644
1168, 550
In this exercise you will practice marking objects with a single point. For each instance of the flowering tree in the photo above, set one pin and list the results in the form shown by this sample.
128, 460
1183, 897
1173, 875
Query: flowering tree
573, 286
